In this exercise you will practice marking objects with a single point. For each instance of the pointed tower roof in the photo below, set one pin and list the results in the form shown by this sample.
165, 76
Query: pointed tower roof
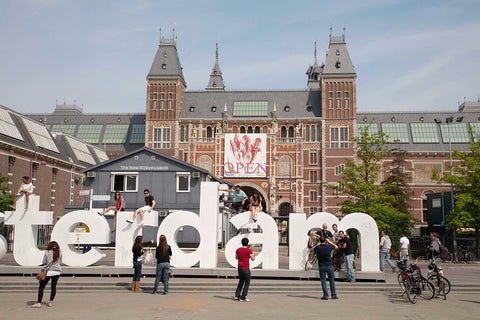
338, 60
314, 72
166, 64
216, 80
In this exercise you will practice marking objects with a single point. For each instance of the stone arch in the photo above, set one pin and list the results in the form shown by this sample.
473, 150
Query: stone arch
265, 198
284, 202
205, 162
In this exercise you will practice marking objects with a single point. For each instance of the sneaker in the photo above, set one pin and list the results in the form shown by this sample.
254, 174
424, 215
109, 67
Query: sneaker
236, 298
334, 296
129, 220
99, 213
324, 298
393, 270
245, 300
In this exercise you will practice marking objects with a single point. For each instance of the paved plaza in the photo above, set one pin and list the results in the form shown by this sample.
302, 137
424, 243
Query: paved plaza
129, 305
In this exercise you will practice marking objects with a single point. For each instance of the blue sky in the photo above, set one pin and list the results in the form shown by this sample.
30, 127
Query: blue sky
408, 55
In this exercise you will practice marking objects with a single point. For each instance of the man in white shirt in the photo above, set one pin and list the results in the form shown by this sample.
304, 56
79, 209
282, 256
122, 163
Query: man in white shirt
404, 247
26, 188
385, 246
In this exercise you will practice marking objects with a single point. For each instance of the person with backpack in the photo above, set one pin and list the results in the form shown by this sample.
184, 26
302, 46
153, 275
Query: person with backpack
437, 249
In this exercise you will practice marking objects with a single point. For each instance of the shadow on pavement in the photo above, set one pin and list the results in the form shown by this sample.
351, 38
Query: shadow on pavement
397, 298
470, 301
302, 296
224, 298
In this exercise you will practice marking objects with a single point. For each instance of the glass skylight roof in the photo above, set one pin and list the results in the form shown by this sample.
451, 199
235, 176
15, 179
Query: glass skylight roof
80, 150
115, 133
250, 108
476, 130
101, 155
396, 132
40, 135
372, 128
65, 128
89, 133
424, 132
138, 134
7, 126
458, 132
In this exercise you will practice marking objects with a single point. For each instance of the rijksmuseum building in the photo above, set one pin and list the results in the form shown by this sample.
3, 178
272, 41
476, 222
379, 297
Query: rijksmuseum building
286, 144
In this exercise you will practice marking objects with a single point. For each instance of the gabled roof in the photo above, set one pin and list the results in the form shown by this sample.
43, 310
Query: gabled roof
166, 64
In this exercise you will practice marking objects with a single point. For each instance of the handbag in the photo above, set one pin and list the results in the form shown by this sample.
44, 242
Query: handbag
43, 274
148, 258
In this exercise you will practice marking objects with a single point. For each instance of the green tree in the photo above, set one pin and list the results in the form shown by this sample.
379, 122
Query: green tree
396, 185
359, 180
6, 198
466, 179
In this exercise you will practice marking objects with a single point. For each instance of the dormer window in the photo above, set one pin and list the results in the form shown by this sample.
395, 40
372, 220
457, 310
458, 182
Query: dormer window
287, 108
337, 52
164, 66
309, 108
215, 72
164, 54
338, 64
92, 120
192, 109
214, 84
213, 109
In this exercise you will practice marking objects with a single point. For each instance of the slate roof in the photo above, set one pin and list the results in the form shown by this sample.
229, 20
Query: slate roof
338, 60
297, 101
66, 154
166, 64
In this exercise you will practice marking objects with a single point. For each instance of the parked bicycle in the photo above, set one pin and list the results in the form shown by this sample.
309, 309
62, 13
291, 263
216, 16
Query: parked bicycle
464, 255
413, 283
435, 276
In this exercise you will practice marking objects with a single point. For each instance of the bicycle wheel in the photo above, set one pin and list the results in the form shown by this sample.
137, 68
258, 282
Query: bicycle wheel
411, 291
401, 282
427, 289
311, 259
442, 285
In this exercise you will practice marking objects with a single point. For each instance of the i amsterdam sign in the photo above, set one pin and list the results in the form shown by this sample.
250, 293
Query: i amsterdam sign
26, 252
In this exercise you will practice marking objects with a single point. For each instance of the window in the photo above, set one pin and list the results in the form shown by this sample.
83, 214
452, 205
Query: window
458, 133
283, 132
183, 182
313, 195
290, 132
257, 129
124, 181
183, 133
340, 188
313, 158
330, 95
115, 133
161, 138
243, 130
313, 176
250, 129
346, 104
313, 210
169, 104
339, 104
330, 104
339, 95
312, 133
307, 133
154, 104
339, 169
424, 133
162, 96
250, 108
339, 138
155, 96
209, 132
162, 104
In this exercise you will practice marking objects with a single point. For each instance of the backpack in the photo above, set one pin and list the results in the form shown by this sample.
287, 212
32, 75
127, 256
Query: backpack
444, 254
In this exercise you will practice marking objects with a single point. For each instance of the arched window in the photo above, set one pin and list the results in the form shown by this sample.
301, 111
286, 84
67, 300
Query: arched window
257, 129
209, 132
242, 129
318, 133
291, 132
283, 132
307, 133
250, 129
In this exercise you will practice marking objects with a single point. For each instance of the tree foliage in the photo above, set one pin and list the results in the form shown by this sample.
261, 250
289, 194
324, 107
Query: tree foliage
396, 184
360, 180
6, 198
466, 179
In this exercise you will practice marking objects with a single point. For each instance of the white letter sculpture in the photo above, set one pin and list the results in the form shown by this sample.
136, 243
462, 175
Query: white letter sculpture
66, 238
366, 226
268, 257
206, 225
3, 241
25, 250
126, 234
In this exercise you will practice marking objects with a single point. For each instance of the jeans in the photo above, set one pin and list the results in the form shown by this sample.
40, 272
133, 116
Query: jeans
324, 271
42, 286
243, 281
385, 256
349, 266
162, 273
137, 271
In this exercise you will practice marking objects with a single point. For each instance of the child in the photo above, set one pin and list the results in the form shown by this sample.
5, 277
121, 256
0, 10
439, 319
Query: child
26, 188
243, 255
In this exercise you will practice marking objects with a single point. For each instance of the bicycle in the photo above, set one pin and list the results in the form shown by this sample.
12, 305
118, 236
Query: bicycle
442, 284
413, 283
463, 254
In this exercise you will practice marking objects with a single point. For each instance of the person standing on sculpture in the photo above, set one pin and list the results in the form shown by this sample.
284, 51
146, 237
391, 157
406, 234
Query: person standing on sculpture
51, 262
323, 252
243, 255
148, 207
347, 246
255, 205
385, 246
26, 189
163, 254
404, 247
